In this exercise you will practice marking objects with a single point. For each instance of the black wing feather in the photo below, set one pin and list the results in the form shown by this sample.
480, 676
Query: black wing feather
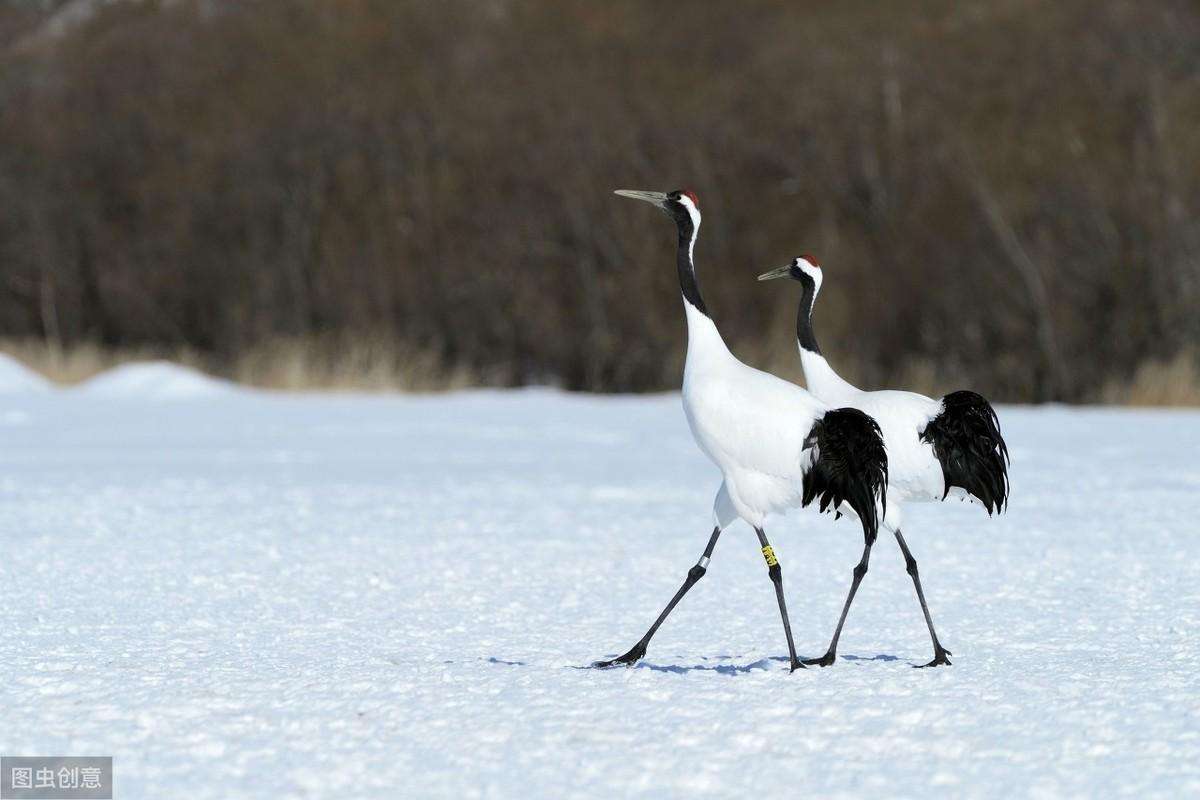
966, 440
851, 466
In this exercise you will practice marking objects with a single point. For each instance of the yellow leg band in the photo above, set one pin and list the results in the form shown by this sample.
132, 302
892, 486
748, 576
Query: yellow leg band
769, 555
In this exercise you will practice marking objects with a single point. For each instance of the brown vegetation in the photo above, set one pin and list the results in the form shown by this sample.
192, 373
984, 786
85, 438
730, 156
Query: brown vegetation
1004, 194
330, 363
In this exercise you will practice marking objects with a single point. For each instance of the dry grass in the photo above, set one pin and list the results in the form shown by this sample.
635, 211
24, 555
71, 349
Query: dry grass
346, 364
283, 364
377, 365
1159, 383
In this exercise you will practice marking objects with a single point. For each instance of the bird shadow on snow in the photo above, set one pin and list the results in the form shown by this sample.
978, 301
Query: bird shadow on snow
720, 669
878, 657
502, 662
729, 669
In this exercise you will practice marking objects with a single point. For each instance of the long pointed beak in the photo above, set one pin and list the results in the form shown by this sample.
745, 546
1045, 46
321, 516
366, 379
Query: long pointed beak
654, 198
782, 272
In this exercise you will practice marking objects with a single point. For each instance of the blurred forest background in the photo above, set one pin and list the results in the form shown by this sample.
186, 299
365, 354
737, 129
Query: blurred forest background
1005, 194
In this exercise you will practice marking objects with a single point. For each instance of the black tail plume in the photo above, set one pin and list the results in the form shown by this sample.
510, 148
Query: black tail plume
966, 440
851, 465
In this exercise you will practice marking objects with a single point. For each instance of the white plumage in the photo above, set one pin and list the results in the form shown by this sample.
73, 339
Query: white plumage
751, 424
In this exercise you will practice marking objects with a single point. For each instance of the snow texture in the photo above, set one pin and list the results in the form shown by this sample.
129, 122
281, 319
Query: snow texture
155, 380
17, 379
252, 595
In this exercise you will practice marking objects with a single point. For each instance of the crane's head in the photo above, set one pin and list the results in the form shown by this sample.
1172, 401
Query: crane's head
805, 269
680, 205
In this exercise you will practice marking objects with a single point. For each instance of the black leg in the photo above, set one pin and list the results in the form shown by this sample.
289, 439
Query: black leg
694, 575
859, 571
776, 573
910, 563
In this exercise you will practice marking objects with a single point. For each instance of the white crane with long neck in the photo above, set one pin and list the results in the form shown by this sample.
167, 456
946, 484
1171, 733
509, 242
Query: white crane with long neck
936, 448
777, 446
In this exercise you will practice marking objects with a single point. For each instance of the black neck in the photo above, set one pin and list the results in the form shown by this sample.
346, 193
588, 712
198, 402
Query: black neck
687, 270
804, 331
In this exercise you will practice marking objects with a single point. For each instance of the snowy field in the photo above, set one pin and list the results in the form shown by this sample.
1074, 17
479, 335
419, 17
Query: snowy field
246, 595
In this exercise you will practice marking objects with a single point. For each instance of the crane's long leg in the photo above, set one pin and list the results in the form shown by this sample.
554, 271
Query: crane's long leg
694, 574
776, 573
910, 563
859, 571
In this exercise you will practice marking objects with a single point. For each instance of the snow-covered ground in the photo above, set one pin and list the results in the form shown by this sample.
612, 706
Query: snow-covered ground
238, 594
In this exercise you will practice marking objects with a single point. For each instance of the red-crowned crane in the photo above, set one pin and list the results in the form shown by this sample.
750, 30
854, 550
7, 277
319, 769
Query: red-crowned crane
936, 448
776, 445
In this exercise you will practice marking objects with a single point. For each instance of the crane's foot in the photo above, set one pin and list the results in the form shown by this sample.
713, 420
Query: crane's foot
635, 654
796, 664
824, 661
939, 659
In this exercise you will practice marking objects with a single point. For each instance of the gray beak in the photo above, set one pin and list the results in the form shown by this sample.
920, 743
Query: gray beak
782, 272
658, 199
